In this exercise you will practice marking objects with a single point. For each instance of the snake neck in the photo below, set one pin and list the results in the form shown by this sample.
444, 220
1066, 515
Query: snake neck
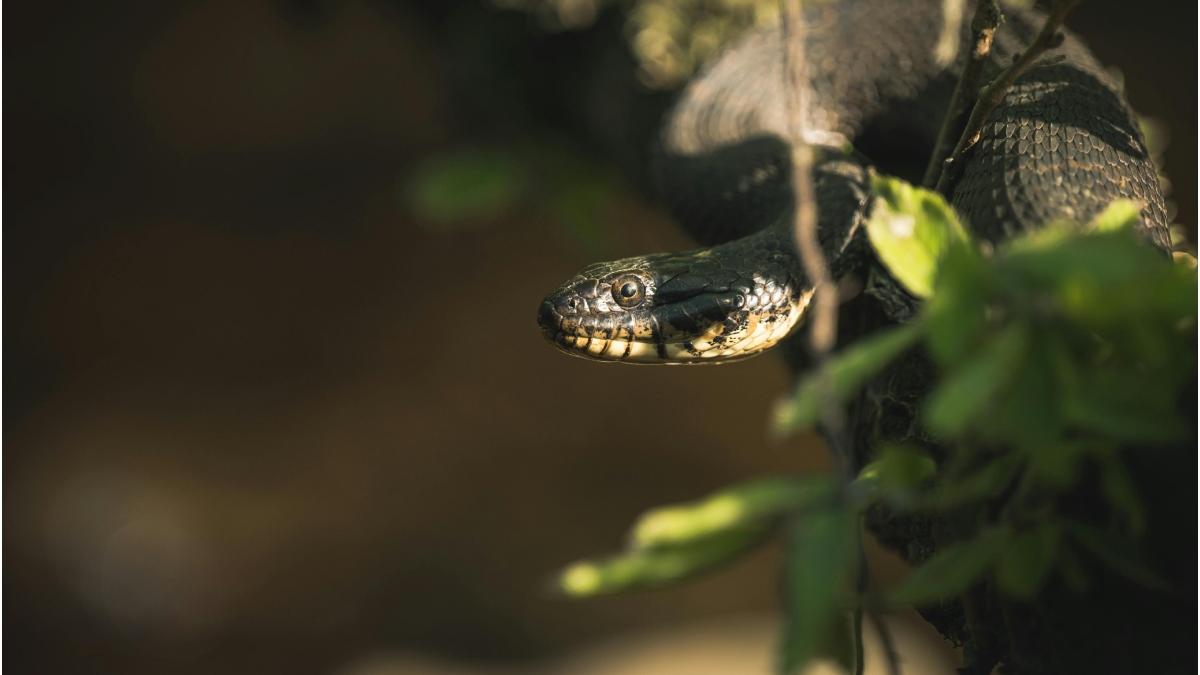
710, 305
701, 306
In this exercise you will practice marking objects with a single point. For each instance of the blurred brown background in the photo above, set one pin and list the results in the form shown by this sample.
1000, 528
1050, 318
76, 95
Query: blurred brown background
259, 418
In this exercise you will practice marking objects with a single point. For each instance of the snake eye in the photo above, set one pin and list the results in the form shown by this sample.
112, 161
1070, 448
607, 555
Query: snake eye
628, 291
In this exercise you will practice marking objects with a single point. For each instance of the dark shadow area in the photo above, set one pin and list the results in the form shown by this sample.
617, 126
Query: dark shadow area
260, 417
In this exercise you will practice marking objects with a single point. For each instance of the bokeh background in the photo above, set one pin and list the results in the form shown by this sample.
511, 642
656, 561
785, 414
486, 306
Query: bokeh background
274, 402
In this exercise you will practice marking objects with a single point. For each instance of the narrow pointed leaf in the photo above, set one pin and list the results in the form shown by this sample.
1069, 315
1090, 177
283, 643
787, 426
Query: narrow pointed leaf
1027, 560
658, 567
734, 507
953, 570
1119, 555
899, 469
842, 377
822, 561
966, 393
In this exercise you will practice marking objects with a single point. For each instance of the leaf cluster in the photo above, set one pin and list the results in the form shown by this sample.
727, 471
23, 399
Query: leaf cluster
1057, 351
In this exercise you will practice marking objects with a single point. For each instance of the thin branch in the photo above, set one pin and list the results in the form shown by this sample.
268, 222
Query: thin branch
981, 653
987, 19
860, 664
993, 94
825, 299
946, 49
891, 656
861, 584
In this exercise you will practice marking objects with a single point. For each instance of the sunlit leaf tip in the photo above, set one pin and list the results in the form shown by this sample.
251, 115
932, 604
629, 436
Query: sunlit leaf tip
911, 229
898, 469
580, 580
737, 506
651, 568
1121, 214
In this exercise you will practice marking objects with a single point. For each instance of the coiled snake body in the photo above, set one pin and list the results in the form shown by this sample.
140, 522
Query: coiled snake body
1062, 145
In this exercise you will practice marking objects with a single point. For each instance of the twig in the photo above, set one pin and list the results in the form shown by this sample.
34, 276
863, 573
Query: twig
993, 94
946, 49
981, 653
861, 584
825, 299
987, 18
823, 309
860, 664
885, 640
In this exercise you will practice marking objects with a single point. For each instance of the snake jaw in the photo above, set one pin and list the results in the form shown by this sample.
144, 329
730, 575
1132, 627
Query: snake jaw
694, 310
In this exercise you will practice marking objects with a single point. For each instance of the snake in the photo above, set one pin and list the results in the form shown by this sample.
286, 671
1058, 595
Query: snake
1061, 146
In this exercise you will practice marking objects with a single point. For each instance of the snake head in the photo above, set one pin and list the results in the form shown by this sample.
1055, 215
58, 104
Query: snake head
692, 307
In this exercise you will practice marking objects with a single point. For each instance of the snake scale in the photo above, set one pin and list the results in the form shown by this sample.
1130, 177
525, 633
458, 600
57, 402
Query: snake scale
1062, 145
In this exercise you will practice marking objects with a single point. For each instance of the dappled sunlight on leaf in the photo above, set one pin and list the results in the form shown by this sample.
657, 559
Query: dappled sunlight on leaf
911, 229
732, 507
649, 568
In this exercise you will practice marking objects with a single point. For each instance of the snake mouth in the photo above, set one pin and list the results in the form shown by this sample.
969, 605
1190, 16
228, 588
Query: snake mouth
601, 349
570, 336
735, 337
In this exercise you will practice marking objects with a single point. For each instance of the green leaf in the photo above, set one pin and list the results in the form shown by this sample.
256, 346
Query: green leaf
579, 204
1157, 134
951, 571
983, 484
842, 376
911, 229
1117, 553
734, 507
656, 567
822, 561
842, 644
1027, 560
1056, 466
1099, 278
1118, 489
1071, 570
899, 469
1121, 214
465, 185
1028, 415
1124, 404
957, 312
966, 393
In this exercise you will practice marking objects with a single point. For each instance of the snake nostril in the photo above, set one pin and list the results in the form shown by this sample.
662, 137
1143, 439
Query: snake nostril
570, 306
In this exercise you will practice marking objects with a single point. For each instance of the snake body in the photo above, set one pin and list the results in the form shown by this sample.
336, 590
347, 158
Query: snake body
1061, 146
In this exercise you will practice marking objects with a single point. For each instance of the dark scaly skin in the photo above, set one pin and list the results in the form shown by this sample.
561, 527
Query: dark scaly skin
724, 167
712, 305
1062, 145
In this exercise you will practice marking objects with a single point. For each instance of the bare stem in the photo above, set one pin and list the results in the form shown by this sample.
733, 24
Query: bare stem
861, 585
860, 665
993, 94
885, 639
983, 30
825, 300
